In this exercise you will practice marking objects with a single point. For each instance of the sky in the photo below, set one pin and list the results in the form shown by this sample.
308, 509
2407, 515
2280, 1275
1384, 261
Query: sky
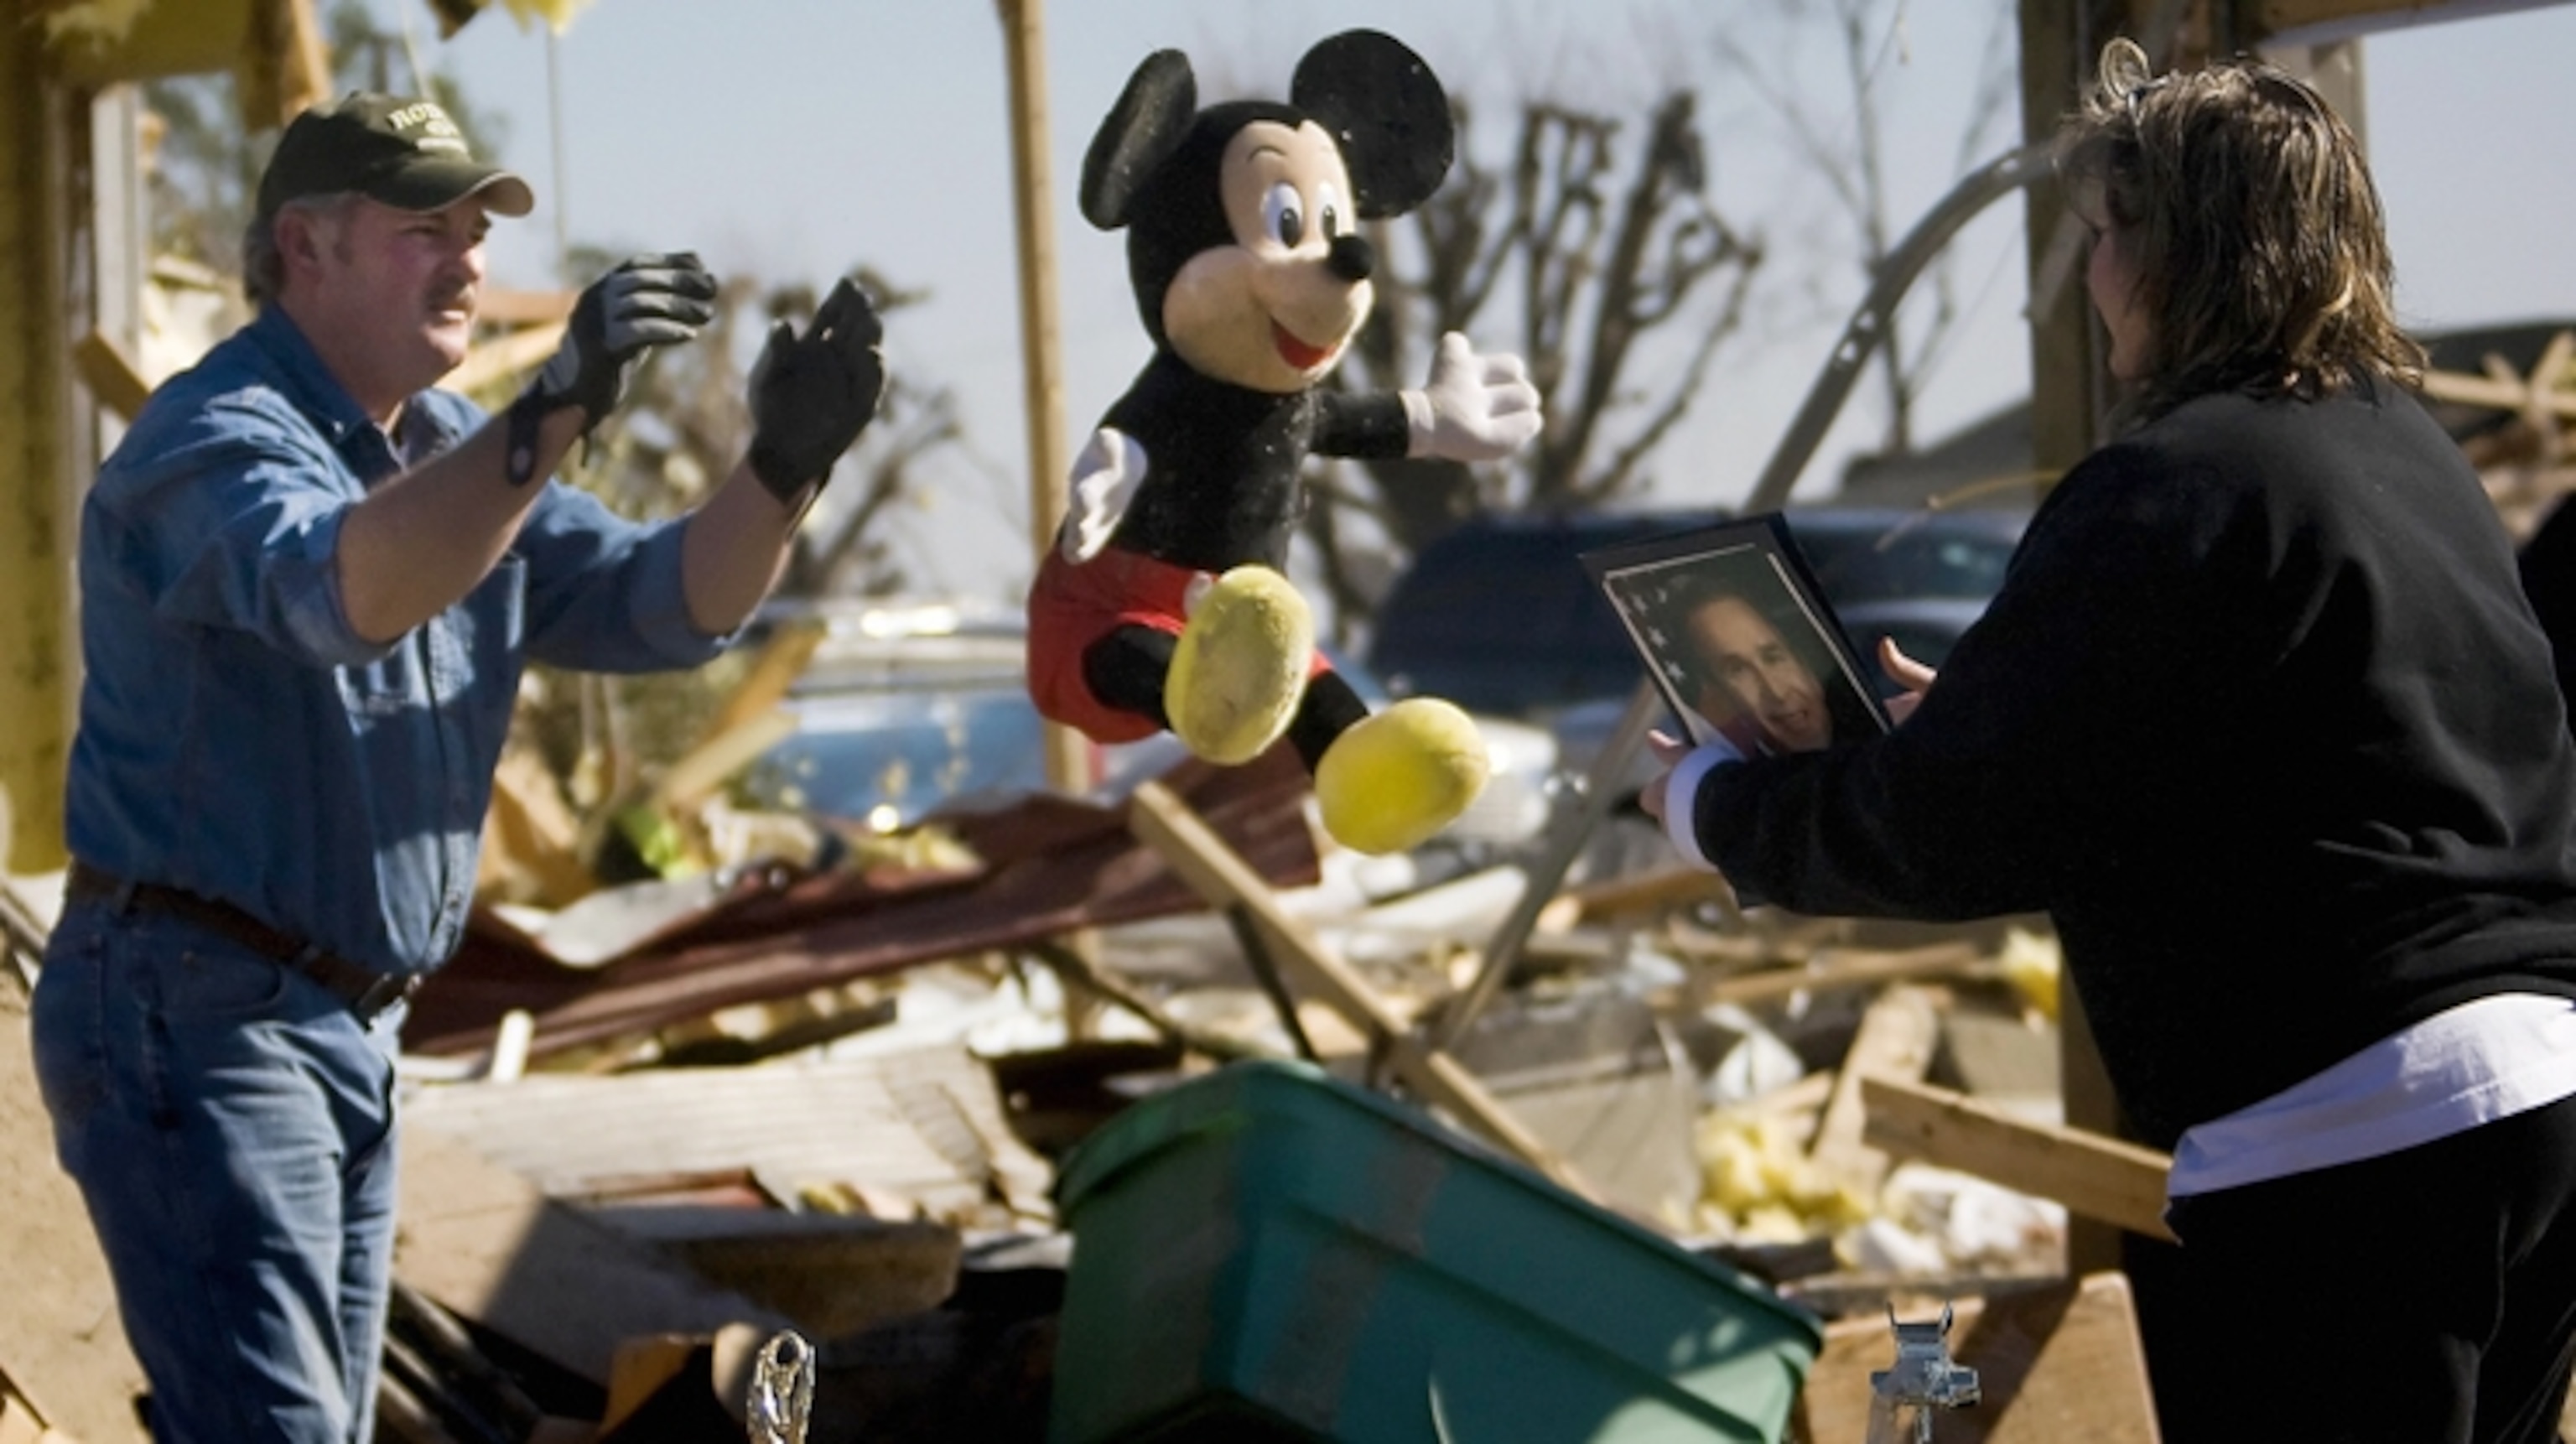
790, 138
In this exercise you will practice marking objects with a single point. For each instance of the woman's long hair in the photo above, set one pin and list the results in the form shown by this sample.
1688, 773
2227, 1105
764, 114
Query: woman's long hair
2249, 218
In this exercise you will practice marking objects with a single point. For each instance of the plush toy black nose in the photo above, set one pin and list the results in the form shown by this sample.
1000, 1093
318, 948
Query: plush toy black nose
1352, 258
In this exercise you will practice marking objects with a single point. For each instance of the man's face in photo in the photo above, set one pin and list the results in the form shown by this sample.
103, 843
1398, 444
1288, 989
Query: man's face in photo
1761, 675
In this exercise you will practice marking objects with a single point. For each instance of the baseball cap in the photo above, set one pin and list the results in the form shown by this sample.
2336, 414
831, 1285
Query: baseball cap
404, 153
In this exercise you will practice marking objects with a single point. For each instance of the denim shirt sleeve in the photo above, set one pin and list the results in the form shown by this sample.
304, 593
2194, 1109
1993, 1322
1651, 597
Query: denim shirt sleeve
232, 521
604, 594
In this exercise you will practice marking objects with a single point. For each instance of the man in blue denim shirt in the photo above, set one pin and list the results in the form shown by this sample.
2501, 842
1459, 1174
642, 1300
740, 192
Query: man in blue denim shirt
308, 586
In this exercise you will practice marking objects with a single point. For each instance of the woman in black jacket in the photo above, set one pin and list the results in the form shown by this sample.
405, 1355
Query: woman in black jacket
2262, 719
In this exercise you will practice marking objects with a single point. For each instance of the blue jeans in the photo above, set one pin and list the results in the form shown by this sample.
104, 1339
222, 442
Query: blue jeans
231, 1125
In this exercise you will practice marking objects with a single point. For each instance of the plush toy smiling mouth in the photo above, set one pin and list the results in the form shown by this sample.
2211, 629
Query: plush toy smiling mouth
1295, 352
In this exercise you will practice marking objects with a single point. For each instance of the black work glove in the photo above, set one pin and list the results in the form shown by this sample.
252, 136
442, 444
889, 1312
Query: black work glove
812, 395
646, 301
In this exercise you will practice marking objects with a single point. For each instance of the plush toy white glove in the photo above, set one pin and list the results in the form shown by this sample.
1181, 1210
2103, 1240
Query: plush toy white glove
1476, 408
1105, 478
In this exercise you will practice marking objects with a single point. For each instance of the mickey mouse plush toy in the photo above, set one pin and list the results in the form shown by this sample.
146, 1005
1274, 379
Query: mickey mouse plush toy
1162, 606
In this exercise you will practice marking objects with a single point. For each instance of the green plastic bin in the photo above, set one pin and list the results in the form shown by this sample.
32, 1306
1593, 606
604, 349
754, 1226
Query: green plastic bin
1268, 1253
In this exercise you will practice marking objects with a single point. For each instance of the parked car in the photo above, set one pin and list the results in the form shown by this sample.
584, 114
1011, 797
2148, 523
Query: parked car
906, 710
1500, 617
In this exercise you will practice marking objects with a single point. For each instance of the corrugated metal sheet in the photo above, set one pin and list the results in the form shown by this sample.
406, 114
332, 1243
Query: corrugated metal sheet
1050, 865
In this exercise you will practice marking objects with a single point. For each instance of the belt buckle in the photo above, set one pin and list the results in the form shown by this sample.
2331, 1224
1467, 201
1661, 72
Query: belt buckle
383, 992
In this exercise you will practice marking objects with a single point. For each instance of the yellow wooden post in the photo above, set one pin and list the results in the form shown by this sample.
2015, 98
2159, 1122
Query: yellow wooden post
36, 662
1068, 760
1068, 755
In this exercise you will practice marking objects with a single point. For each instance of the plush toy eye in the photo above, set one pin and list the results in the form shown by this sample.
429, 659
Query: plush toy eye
1283, 214
1330, 216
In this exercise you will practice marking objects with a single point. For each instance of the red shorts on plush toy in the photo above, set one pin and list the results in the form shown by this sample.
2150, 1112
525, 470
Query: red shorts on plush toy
1072, 605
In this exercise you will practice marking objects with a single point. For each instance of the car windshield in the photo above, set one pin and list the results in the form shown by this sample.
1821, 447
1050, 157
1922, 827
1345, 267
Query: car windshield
1861, 558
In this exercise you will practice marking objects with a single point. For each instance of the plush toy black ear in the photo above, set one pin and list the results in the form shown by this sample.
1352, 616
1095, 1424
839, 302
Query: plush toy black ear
1388, 113
1152, 115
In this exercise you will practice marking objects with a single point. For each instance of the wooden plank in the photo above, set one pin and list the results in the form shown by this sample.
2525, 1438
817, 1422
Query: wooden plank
2068, 383
1078, 970
199, 38
531, 839
1194, 851
2312, 22
2053, 1364
2499, 392
926, 1123
18, 1422
2094, 1176
1895, 1042
505, 356
764, 688
696, 775
284, 67
2086, 1102
505, 306
115, 380
1662, 890
1846, 968
643, 1365
834, 1275
1997, 1054
488, 1246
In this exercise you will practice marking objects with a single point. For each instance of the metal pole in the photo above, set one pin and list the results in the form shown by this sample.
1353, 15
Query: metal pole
1868, 324
555, 143
1592, 799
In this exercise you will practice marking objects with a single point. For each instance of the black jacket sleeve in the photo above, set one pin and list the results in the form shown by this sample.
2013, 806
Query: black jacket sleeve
2122, 643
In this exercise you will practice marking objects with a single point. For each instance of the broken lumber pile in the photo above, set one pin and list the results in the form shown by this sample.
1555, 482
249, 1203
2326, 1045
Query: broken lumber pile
619, 1192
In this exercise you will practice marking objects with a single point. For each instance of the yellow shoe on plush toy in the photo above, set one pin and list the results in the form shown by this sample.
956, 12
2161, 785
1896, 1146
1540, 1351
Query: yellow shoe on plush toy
1400, 776
1240, 668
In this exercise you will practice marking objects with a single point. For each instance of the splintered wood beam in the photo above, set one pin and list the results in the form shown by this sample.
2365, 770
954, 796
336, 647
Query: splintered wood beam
781, 660
110, 375
1896, 1039
506, 356
1109, 983
2094, 1176
1224, 881
2313, 22
1844, 968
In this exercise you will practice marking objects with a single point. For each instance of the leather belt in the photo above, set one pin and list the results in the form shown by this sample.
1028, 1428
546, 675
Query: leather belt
366, 991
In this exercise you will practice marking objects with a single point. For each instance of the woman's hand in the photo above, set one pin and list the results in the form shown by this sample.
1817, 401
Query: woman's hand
1907, 673
1668, 750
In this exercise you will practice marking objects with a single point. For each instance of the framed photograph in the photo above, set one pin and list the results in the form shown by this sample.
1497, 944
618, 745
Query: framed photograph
1737, 638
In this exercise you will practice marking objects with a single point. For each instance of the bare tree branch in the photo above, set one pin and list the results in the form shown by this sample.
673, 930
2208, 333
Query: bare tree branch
1848, 153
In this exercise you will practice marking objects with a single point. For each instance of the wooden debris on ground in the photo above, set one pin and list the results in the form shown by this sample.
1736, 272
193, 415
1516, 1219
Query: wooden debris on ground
923, 1123
2055, 1362
631, 1194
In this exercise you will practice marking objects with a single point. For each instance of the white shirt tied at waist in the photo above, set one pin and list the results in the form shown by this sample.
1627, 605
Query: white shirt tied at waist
2486, 1059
